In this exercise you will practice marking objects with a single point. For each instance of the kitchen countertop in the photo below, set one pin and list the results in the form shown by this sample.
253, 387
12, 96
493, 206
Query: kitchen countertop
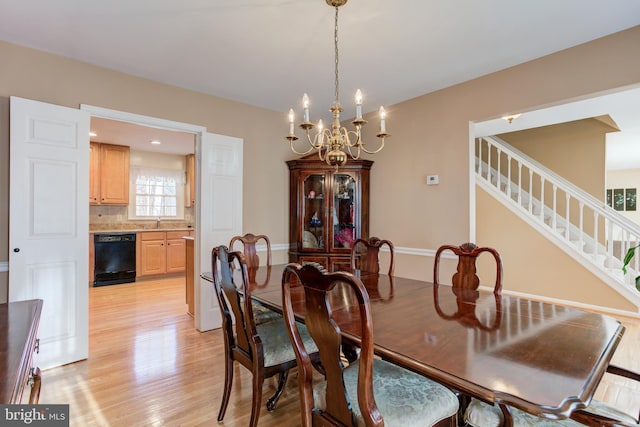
138, 230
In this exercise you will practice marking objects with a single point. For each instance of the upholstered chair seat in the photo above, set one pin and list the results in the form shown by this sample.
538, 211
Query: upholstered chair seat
275, 341
480, 414
403, 397
601, 408
263, 314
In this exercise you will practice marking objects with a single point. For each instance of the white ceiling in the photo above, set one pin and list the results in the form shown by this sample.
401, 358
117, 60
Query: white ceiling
269, 52
140, 137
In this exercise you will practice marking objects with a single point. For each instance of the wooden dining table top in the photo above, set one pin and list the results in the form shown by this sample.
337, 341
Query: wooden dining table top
546, 359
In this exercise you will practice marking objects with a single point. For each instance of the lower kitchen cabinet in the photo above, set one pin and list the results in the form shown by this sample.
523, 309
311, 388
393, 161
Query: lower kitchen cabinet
161, 252
176, 252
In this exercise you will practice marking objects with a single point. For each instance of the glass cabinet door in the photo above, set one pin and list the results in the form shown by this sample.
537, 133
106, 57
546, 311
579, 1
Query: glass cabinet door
313, 212
344, 212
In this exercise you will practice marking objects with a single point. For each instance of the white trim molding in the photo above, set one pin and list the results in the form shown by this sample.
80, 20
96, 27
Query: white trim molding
573, 304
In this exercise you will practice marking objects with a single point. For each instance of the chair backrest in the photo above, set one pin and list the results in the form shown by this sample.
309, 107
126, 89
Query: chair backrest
321, 322
249, 242
465, 276
365, 255
234, 301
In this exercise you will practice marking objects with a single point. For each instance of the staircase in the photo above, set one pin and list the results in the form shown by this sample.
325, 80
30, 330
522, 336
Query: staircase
586, 228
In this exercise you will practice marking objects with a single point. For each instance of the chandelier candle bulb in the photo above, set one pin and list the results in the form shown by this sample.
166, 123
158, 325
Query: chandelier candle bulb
320, 133
305, 105
292, 117
383, 116
358, 104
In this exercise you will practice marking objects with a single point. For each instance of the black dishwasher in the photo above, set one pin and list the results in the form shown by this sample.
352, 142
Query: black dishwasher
115, 258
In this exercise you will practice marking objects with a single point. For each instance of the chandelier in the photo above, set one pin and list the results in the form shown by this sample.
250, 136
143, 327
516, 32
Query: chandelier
335, 143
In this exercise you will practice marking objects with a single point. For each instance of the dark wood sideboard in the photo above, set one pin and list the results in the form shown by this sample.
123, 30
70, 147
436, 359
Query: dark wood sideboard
19, 324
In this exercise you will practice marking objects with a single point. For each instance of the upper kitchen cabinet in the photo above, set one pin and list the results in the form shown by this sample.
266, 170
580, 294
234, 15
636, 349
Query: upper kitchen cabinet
190, 199
328, 210
109, 174
94, 173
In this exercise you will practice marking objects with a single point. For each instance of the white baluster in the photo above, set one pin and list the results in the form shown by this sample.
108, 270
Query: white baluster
554, 221
595, 235
581, 227
519, 183
542, 205
566, 219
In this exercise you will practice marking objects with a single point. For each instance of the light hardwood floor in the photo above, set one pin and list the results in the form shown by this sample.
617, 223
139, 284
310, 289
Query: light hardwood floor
147, 366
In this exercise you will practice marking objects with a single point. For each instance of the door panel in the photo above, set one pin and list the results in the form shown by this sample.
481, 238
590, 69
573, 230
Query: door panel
219, 206
49, 223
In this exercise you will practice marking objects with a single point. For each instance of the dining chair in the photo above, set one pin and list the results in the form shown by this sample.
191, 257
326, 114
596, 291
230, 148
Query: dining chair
369, 391
262, 348
466, 274
600, 413
597, 414
465, 283
365, 255
249, 243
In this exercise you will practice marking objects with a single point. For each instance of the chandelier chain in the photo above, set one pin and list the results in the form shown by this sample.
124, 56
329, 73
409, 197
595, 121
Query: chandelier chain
335, 39
335, 143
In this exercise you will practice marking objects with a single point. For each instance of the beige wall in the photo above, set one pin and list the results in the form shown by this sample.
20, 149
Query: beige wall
574, 150
430, 133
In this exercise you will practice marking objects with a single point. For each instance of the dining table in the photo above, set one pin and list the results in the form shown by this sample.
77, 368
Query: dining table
543, 358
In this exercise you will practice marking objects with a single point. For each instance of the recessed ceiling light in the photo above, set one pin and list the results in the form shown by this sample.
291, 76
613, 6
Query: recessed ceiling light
156, 142
511, 117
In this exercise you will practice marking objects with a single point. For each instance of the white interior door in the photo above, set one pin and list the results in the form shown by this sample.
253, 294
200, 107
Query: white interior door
219, 216
49, 223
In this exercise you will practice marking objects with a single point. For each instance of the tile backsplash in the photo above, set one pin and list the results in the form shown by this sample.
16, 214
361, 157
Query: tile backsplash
116, 218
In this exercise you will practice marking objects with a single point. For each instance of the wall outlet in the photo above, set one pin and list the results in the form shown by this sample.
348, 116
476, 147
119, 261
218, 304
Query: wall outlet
433, 180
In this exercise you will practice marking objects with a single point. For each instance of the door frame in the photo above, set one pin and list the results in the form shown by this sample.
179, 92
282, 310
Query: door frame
154, 122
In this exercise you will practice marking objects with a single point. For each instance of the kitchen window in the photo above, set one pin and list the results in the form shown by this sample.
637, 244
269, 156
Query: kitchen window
156, 194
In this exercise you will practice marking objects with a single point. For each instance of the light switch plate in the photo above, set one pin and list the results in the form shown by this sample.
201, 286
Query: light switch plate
433, 179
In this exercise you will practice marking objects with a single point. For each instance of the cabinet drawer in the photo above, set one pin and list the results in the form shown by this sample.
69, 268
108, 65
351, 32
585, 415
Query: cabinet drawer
152, 235
176, 234
340, 264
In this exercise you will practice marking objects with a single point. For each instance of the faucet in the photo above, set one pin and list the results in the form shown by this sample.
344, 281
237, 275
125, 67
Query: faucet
158, 223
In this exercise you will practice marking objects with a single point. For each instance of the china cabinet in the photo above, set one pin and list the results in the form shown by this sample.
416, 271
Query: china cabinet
328, 210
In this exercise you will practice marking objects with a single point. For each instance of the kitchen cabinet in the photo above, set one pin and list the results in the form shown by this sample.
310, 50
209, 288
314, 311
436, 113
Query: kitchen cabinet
161, 252
176, 252
190, 274
328, 210
109, 174
94, 173
190, 199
